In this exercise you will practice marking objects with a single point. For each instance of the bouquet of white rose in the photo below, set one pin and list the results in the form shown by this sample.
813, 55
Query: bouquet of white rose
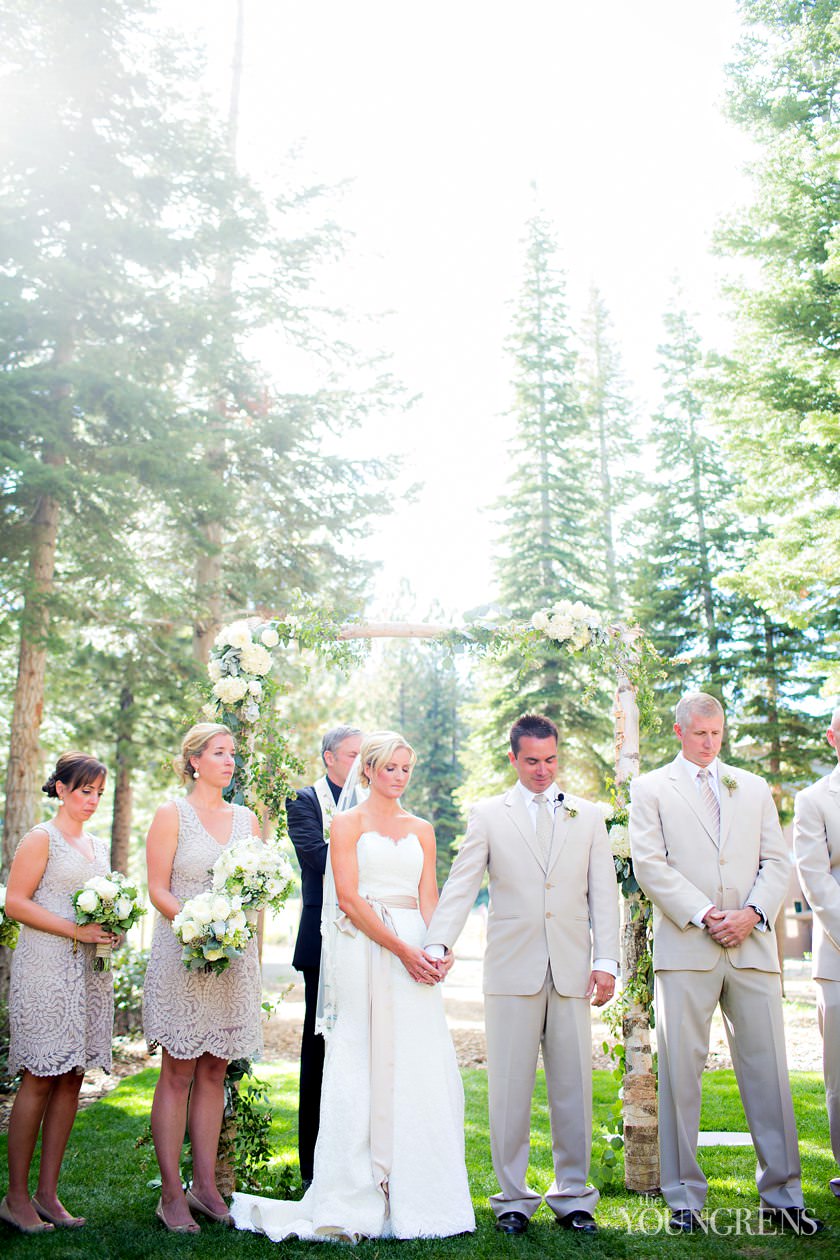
260, 875
213, 930
9, 928
111, 901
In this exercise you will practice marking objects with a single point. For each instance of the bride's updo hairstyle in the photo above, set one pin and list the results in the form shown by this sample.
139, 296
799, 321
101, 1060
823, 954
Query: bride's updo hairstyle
377, 750
193, 744
74, 770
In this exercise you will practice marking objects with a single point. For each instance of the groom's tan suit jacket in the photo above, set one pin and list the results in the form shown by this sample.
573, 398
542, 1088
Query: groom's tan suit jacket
540, 912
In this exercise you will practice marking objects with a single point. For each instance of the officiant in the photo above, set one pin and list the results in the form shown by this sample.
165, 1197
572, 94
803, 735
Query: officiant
309, 814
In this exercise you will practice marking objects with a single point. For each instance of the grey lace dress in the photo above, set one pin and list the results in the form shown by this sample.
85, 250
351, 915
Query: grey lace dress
191, 1013
61, 1011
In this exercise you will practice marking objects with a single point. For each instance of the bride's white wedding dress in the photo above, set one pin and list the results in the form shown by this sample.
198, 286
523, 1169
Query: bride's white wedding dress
412, 1138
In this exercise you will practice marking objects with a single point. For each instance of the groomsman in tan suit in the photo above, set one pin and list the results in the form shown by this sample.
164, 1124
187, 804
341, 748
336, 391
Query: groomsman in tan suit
708, 851
553, 897
816, 844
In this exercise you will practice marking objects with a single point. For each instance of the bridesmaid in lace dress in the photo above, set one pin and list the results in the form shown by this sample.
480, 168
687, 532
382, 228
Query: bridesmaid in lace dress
61, 1011
200, 1021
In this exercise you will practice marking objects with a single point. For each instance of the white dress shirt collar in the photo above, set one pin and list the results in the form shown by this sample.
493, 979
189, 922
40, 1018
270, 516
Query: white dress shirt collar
694, 770
551, 793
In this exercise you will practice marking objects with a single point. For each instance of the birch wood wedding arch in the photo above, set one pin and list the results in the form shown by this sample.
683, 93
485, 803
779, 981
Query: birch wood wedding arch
238, 669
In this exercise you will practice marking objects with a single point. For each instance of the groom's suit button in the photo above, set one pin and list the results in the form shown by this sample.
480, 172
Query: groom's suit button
548, 914
549, 885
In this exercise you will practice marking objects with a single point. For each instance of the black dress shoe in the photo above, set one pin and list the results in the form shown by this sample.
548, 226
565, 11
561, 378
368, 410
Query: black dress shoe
685, 1221
581, 1222
793, 1220
512, 1223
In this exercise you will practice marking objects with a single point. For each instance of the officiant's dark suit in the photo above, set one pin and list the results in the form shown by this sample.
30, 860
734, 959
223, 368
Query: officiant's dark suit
308, 815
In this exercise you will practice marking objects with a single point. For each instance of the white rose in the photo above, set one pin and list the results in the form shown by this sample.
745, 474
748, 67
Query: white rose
255, 659
188, 931
219, 907
620, 841
2, 896
200, 908
540, 620
237, 921
560, 628
255, 689
123, 907
251, 711
236, 635
230, 690
106, 888
87, 901
214, 669
582, 638
270, 638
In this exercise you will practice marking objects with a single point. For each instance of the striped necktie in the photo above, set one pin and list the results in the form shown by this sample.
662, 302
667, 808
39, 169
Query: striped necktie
707, 796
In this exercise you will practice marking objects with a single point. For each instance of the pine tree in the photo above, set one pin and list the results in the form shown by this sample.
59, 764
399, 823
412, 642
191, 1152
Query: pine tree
552, 544
780, 390
688, 530
609, 415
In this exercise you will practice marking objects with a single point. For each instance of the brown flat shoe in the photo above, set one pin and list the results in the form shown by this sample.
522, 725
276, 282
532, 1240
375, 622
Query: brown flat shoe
63, 1222
8, 1216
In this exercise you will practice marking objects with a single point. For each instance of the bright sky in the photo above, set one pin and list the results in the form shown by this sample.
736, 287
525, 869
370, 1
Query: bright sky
444, 115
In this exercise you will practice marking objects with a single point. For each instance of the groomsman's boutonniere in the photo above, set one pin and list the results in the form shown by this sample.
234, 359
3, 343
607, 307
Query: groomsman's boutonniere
729, 783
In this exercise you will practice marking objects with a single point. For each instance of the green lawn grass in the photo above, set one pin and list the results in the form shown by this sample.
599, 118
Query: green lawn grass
106, 1175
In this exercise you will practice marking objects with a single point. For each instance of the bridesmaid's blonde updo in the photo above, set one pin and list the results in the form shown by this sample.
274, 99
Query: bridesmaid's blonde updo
74, 769
377, 750
193, 744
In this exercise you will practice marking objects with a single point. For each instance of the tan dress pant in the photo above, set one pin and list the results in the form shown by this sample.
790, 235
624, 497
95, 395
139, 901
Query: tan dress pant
517, 1026
751, 1004
828, 1013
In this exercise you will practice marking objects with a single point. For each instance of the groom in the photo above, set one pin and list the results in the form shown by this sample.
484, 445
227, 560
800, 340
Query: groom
553, 899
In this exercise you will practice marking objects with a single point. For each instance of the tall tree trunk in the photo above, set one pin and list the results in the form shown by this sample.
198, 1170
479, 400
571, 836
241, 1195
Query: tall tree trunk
208, 574
23, 776
641, 1130
24, 770
123, 792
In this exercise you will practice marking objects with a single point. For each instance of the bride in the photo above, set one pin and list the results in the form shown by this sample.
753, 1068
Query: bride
389, 1161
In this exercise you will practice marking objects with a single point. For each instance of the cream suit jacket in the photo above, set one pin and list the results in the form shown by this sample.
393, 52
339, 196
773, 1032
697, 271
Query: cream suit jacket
682, 866
816, 845
538, 913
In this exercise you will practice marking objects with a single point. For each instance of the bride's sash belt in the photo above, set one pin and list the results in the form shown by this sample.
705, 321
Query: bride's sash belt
380, 996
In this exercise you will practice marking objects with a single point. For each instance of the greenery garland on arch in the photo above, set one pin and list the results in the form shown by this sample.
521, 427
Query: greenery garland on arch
244, 688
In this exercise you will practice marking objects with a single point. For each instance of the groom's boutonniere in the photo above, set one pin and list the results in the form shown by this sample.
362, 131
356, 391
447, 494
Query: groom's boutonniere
561, 803
729, 783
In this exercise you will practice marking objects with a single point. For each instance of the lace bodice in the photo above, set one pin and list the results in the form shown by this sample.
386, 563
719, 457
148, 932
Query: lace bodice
197, 849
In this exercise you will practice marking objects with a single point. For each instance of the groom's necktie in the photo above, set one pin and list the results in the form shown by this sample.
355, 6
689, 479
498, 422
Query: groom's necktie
707, 796
545, 826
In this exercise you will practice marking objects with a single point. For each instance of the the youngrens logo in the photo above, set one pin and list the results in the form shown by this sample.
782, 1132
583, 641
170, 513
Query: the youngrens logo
722, 1222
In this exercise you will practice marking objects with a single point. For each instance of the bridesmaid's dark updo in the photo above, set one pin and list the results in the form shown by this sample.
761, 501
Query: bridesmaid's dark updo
74, 770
